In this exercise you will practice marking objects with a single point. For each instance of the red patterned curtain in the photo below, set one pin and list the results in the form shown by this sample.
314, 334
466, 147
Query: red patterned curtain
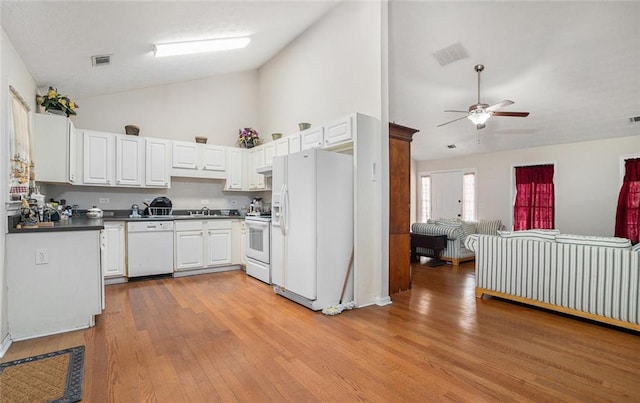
534, 204
628, 213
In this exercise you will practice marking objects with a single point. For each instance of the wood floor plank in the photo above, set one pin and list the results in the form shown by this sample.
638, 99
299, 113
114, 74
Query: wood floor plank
228, 337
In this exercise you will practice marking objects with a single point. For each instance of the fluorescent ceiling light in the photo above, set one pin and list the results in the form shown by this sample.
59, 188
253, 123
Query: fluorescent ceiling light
479, 116
209, 45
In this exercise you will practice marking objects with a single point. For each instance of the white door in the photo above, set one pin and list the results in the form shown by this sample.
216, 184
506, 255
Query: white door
113, 249
185, 155
129, 155
98, 158
312, 138
214, 158
338, 132
189, 249
234, 169
218, 247
301, 224
157, 163
269, 152
446, 194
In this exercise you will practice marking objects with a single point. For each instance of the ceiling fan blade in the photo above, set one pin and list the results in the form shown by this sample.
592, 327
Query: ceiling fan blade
451, 121
499, 105
451, 110
513, 114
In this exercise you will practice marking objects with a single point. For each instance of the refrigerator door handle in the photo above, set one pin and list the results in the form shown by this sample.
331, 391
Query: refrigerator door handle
284, 217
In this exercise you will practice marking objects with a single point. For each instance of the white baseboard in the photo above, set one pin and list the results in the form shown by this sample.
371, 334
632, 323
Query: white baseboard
4, 346
383, 301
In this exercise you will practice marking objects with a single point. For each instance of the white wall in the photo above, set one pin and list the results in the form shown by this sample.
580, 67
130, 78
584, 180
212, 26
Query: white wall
14, 73
587, 180
214, 107
331, 70
185, 194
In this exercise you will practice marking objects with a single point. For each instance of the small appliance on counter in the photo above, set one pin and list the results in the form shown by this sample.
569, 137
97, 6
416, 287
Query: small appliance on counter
135, 211
255, 208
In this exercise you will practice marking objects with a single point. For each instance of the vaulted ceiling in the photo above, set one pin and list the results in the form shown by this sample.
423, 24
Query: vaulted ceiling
575, 66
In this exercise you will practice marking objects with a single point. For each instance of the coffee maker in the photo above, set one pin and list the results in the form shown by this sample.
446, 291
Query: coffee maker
255, 208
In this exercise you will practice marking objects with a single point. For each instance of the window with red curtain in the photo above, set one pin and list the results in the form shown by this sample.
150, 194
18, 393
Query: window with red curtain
534, 204
628, 213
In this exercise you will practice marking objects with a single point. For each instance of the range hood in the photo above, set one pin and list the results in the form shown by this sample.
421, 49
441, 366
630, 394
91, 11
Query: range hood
265, 170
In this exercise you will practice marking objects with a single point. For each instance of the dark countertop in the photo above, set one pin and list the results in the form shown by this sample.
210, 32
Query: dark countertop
82, 223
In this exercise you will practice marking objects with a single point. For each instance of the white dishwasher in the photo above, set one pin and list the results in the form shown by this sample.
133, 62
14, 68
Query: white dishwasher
149, 248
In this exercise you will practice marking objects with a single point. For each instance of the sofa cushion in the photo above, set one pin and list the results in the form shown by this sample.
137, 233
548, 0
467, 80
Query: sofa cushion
546, 235
468, 228
489, 227
611, 242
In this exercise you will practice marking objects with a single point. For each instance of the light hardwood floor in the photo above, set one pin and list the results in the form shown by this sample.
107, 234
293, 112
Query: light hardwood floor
228, 337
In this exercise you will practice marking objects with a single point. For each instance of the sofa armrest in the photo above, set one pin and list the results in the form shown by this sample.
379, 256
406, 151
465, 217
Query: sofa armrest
436, 229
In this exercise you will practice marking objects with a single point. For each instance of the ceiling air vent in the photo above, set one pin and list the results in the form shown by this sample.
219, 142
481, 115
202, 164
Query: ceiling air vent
451, 54
634, 119
101, 60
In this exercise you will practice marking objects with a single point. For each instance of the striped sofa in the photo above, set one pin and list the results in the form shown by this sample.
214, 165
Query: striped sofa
592, 277
456, 231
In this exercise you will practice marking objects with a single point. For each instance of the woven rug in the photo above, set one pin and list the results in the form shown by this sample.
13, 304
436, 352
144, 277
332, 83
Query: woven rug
51, 377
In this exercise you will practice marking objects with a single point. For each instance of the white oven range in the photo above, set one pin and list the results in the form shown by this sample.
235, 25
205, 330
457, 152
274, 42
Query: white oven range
259, 247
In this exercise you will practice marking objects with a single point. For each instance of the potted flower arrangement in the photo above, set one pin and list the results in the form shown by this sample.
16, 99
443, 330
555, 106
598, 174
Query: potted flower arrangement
56, 103
248, 137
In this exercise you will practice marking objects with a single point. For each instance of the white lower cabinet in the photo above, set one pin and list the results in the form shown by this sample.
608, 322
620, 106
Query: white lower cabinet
203, 246
112, 250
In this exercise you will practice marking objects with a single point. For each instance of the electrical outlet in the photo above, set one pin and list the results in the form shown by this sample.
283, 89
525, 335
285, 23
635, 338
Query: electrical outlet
104, 200
42, 256
204, 202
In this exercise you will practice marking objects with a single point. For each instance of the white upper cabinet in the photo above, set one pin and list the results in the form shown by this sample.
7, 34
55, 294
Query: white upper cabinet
130, 154
235, 171
294, 143
214, 158
157, 163
282, 147
98, 158
338, 132
256, 160
194, 160
312, 138
185, 155
269, 152
54, 148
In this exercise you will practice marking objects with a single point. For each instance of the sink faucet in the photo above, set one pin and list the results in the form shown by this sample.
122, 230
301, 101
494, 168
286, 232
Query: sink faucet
205, 210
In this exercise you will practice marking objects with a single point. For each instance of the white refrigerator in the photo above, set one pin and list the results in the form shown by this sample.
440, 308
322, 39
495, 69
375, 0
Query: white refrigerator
312, 227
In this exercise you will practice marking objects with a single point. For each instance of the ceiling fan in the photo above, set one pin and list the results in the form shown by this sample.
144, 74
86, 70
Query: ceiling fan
480, 113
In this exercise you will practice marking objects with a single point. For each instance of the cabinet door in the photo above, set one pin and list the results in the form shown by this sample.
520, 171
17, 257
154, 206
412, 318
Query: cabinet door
98, 158
189, 249
185, 155
54, 148
243, 242
72, 149
339, 131
269, 152
218, 247
214, 158
129, 156
234, 169
282, 147
157, 163
259, 161
294, 143
311, 138
113, 249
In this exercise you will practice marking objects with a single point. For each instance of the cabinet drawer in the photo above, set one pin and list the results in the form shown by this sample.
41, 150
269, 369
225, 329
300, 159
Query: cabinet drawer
189, 225
219, 224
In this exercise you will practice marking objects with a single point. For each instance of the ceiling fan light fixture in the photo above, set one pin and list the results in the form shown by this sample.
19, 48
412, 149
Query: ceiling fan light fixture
479, 116
191, 47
